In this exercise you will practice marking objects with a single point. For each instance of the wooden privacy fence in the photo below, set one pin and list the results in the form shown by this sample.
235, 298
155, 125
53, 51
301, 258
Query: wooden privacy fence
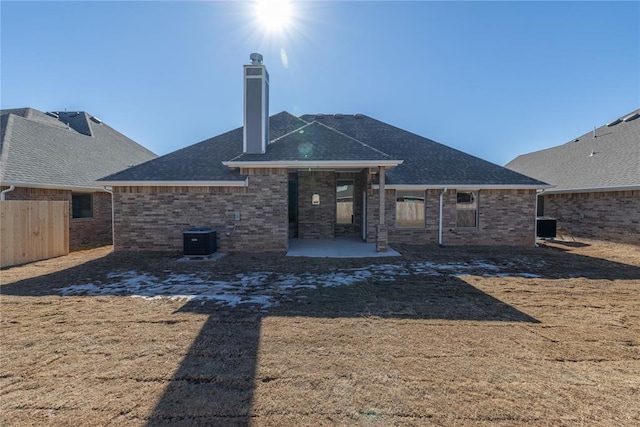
32, 230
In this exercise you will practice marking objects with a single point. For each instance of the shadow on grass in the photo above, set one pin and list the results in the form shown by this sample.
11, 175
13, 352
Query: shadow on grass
568, 243
215, 382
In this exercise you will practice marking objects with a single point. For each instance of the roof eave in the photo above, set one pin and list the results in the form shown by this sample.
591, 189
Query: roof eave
592, 189
464, 186
313, 164
215, 183
82, 188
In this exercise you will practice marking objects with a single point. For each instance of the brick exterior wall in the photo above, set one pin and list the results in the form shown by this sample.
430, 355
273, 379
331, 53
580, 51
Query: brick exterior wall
316, 221
319, 221
505, 217
612, 216
92, 232
84, 233
154, 218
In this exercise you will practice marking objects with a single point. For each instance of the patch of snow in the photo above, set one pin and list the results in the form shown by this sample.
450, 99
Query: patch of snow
264, 289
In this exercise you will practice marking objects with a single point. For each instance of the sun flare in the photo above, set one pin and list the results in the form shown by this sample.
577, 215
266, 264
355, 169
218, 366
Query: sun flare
273, 15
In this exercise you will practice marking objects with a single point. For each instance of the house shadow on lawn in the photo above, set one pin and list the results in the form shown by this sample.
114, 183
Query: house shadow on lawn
215, 382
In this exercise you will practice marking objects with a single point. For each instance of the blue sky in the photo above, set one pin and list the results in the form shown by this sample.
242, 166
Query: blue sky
493, 79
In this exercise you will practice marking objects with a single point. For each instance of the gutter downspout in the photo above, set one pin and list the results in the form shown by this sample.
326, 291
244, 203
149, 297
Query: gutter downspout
444, 190
535, 219
113, 219
2, 194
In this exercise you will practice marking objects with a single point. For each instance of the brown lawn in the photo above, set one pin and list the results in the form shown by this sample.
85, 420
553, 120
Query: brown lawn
541, 336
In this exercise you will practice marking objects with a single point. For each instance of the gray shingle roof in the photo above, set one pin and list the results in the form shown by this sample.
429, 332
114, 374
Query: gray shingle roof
203, 161
315, 142
72, 150
330, 138
426, 162
610, 160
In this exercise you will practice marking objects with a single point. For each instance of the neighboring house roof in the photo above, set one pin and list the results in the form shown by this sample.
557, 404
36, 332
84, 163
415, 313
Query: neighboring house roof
62, 150
608, 161
327, 140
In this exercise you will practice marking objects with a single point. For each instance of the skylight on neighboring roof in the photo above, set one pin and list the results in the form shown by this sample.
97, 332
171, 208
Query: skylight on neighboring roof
613, 123
631, 116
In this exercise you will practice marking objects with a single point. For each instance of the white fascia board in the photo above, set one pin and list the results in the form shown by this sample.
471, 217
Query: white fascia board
243, 183
461, 187
316, 164
592, 190
78, 188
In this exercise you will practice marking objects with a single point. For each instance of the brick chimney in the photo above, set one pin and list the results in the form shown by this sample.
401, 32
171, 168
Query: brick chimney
256, 106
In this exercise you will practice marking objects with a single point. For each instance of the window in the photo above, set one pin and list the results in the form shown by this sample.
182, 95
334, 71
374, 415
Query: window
82, 205
467, 209
410, 208
540, 211
344, 202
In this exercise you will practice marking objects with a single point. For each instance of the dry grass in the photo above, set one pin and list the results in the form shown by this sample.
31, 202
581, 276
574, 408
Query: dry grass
561, 349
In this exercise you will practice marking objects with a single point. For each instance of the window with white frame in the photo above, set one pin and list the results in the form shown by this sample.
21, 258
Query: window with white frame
466, 209
410, 207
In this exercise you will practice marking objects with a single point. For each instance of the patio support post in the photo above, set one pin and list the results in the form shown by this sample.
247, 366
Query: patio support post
382, 234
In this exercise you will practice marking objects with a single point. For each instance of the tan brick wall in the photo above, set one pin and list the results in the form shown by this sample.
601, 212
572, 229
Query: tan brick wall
154, 218
84, 233
611, 216
505, 217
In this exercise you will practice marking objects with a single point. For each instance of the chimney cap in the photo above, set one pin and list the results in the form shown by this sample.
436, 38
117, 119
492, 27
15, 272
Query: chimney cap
256, 59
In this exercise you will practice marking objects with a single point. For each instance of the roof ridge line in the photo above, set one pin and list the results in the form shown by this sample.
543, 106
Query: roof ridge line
62, 126
354, 139
293, 131
278, 138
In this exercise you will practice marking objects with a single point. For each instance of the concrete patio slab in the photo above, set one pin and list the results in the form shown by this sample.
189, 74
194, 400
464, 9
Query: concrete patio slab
336, 248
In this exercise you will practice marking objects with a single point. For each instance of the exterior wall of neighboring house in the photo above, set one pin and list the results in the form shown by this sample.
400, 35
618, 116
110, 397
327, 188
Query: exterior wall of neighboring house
154, 218
84, 233
95, 231
612, 215
504, 217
